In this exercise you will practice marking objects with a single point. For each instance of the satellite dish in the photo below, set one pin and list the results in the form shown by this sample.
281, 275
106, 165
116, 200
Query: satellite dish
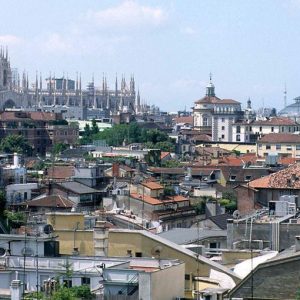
48, 229
236, 214
156, 251
2, 252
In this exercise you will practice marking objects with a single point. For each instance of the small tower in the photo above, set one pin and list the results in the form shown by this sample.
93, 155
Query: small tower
249, 106
210, 88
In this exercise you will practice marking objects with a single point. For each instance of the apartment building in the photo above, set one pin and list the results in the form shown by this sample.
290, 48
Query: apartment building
251, 131
284, 144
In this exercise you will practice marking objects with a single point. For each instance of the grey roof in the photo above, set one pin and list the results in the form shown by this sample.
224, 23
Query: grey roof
221, 220
77, 187
182, 236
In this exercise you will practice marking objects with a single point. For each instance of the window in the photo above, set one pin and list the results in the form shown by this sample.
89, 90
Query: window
259, 146
223, 127
205, 121
129, 253
67, 283
238, 129
223, 136
214, 245
187, 276
25, 196
232, 178
138, 254
260, 129
250, 128
85, 281
282, 129
288, 147
248, 177
290, 129
278, 147
272, 129
297, 147
238, 138
268, 147
223, 120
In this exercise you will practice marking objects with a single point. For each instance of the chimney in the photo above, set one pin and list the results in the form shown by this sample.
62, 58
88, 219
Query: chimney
15, 289
16, 160
100, 239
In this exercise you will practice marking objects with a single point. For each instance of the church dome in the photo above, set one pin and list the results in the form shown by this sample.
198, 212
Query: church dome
292, 110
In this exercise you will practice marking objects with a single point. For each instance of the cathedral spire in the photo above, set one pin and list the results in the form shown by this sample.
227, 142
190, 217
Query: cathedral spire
116, 86
41, 82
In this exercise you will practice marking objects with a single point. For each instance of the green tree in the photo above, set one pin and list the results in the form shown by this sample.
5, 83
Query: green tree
59, 148
2, 203
95, 128
15, 143
83, 292
165, 146
15, 219
63, 293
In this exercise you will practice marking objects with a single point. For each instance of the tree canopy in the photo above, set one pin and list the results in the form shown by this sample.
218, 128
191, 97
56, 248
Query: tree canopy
128, 133
15, 143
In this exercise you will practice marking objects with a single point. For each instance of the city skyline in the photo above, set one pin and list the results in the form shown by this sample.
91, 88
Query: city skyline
251, 47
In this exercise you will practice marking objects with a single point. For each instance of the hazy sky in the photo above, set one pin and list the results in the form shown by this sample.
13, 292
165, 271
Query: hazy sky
251, 47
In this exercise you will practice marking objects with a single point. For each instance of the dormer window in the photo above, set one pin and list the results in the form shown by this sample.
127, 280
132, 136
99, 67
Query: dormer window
232, 178
248, 177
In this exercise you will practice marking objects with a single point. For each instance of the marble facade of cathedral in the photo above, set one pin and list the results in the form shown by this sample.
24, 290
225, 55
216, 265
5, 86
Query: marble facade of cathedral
63, 94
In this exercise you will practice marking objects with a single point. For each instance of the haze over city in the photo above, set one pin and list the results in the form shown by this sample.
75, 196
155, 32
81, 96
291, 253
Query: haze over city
251, 48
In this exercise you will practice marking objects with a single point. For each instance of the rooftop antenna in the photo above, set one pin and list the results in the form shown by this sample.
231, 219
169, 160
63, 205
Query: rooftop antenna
284, 95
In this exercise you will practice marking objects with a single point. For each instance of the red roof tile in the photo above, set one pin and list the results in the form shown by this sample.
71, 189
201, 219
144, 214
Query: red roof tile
288, 178
188, 119
51, 201
280, 138
154, 201
152, 185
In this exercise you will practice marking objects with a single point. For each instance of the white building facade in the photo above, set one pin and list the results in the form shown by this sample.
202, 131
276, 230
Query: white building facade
215, 116
251, 131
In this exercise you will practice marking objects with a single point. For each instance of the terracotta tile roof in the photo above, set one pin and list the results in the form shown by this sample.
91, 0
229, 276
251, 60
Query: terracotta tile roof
280, 138
164, 154
33, 115
154, 201
207, 99
43, 116
188, 119
13, 115
288, 178
274, 121
152, 185
60, 172
51, 201
231, 161
202, 137
287, 160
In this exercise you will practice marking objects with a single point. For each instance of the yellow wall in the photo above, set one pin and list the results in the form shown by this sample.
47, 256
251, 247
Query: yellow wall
64, 225
121, 241
66, 220
83, 241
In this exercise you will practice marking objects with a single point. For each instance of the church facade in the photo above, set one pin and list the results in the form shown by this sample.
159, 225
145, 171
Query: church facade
215, 116
64, 93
